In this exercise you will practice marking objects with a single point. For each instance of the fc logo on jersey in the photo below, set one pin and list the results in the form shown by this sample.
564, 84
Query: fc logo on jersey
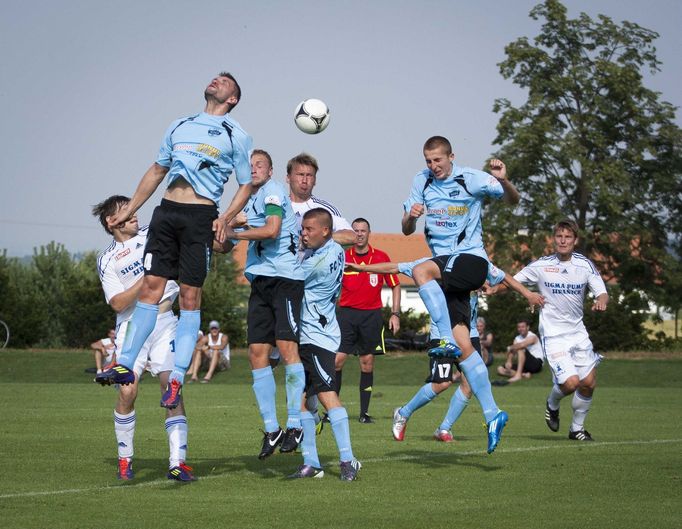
373, 279
214, 132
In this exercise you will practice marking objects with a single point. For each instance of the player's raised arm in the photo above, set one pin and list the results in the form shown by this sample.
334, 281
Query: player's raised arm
499, 170
150, 181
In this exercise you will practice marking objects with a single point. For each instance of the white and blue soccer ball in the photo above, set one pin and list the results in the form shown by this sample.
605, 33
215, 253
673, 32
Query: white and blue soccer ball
311, 116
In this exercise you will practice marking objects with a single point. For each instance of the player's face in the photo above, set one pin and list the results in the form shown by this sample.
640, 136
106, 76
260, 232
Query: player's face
261, 170
522, 328
564, 243
361, 234
313, 233
301, 181
128, 228
222, 90
439, 162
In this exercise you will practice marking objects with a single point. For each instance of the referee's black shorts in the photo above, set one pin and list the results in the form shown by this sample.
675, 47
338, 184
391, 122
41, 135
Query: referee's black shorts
180, 242
362, 331
460, 275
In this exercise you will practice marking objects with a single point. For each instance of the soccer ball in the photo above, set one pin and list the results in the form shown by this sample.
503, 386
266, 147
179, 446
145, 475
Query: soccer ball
311, 116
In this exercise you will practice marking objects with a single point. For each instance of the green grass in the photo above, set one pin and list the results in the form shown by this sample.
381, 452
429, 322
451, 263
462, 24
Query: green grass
59, 456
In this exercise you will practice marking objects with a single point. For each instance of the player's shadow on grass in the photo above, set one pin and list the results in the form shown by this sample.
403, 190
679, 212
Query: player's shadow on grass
436, 459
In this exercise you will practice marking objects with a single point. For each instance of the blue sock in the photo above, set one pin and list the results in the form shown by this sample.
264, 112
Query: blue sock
264, 388
295, 381
434, 299
185, 340
421, 398
477, 375
458, 404
308, 444
139, 328
338, 417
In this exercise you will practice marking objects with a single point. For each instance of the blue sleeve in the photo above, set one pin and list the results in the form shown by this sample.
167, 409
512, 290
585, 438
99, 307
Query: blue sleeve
241, 156
166, 150
495, 275
416, 192
482, 184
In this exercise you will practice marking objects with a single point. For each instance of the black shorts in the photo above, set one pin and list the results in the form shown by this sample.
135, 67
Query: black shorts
180, 242
531, 364
438, 370
362, 331
460, 275
320, 371
274, 311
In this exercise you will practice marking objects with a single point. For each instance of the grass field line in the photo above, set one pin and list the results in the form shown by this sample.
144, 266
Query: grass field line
157, 482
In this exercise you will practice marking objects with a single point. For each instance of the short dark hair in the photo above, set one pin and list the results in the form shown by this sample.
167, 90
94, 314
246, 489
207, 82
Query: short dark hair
238, 88
567, 224
361, 219
322, 215
107, 208
438, 141
262, 153
302, 159
524, 320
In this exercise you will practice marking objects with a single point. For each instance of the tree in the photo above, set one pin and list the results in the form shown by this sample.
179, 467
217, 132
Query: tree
591, 142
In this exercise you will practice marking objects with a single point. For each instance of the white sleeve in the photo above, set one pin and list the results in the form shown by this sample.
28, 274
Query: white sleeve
110, 283
595, 283
527, 276
341, 223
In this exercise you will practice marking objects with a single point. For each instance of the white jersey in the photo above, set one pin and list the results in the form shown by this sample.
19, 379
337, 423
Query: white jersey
300, 208
535, 348
563, 285
120, 266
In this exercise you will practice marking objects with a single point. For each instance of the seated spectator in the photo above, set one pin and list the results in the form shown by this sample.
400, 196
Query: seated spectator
528, 351
486, 339
104, 350
212, 352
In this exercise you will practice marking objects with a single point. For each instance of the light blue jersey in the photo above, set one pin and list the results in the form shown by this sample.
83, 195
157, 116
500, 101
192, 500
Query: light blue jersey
323, 271
272, 257
453, 209
205, 150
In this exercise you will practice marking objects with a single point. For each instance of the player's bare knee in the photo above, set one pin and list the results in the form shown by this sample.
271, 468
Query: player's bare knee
190, 297
570, 385
439, 387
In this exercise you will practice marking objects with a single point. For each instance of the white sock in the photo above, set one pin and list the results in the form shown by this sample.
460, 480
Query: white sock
124, 427
554, 397
581, 405
176, 428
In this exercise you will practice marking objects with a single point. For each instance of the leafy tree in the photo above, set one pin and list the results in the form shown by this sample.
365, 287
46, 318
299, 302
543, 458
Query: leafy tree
224, 300
593, 143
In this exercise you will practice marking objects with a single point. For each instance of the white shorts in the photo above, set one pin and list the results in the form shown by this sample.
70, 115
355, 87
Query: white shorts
569, 355
158, 350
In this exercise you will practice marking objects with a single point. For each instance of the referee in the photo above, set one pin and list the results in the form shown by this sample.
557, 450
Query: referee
359, 313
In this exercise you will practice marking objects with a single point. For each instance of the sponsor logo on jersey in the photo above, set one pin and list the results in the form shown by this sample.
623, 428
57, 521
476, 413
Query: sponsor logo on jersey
121, 255
454, 193
214, 132
551, 269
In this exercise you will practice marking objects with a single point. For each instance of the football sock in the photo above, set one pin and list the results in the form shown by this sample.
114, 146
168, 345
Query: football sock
185, 340
477, 375
176, 428
555, 395
308, 444
124, 428
338, 375
421, 398
295, 384
366, 381
458, 404
434, 300
338, 417
581, 405
139, 328
264, 388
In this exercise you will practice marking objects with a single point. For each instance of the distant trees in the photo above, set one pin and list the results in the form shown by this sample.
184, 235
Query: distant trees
591, 142
56, 299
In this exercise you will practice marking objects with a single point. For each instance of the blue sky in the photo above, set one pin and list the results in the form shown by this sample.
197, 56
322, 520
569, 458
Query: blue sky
87, 89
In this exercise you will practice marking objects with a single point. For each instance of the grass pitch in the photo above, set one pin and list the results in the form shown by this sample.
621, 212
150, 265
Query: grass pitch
59, 455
